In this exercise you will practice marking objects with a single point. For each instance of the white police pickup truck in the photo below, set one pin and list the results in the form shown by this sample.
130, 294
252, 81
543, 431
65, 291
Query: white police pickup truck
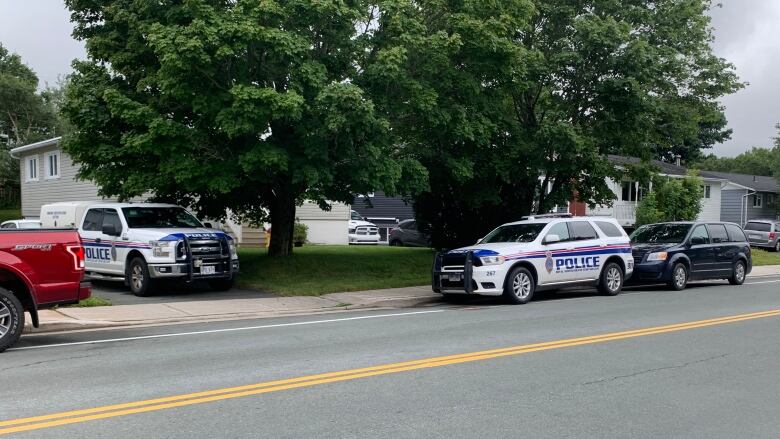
543, 252
144, 242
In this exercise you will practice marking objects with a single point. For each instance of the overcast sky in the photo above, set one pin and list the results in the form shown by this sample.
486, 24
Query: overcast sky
747, 33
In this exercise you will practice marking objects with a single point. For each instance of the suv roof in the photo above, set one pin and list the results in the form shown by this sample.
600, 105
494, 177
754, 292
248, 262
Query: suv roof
545, 220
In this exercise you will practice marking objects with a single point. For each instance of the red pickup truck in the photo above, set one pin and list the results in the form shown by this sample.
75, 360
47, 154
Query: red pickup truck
38, 269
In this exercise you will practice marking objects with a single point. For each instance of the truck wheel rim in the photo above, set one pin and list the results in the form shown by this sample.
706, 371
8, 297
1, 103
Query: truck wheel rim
679, 277
521, 286
740, 272
5, 319
613, 279
137, 277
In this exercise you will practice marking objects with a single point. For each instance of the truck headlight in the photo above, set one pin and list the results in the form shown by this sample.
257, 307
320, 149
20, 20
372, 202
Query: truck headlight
659, 256
233, 249
492, 260
352, 230
161, 249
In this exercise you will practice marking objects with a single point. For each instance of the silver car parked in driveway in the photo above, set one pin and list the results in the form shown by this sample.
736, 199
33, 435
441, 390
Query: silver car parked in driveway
405, 234
764, 233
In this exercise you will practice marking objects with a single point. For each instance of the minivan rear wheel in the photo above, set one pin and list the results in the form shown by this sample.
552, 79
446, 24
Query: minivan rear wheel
611, 282
777, 246
738, 276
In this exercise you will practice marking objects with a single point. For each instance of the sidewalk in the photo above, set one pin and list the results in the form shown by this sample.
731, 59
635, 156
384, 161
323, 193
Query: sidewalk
66, 319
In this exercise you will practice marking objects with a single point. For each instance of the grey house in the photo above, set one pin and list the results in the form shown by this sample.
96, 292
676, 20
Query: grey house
747, 197
48, 175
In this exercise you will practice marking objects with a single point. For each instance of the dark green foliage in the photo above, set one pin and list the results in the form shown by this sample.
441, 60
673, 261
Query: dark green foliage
512, 106
244, 105
672, 199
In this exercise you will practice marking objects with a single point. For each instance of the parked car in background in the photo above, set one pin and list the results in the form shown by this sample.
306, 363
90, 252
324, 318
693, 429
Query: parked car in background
405, 234
362, 231
674, 253
764, 234
21, 224
38, 269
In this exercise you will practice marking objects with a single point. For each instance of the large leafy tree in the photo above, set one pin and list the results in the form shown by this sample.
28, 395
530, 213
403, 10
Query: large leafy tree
243, 105
512, 106
26, 115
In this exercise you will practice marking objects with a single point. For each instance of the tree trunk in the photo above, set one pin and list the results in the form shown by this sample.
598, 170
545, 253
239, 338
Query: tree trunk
282, 224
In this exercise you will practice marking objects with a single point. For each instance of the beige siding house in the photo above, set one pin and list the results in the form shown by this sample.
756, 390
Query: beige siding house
48, 175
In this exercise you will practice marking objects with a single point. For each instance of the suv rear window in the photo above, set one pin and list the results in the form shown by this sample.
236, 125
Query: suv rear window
609, 229
758, 227
582, 230
735, 233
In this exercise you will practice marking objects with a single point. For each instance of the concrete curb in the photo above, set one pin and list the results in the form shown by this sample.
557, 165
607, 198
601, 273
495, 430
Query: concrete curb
63, 323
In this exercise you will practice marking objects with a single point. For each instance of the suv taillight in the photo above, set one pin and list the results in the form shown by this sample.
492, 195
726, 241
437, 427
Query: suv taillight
78, 256
772, 236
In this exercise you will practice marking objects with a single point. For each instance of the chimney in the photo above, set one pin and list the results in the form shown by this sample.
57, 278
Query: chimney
678, 160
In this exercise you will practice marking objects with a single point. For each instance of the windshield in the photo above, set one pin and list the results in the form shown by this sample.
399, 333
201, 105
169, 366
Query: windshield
159, 218
514, 233
661, 234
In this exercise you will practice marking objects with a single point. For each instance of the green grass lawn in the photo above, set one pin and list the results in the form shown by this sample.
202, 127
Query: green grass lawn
315, 270
763, 257
10, 214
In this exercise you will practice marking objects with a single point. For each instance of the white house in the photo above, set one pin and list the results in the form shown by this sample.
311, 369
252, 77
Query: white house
628, 193
48, 175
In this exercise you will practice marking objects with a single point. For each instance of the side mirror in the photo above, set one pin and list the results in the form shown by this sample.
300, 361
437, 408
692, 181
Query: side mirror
698, 240
208, 225
551, 239
110, 230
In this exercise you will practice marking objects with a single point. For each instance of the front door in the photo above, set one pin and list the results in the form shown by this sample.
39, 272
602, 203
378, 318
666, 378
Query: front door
117, 253
97, 251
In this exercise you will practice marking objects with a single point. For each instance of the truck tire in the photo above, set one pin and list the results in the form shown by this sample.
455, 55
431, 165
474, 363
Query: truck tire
519, 286
11, 319
611, 282
738, 275
138, 277
224, 284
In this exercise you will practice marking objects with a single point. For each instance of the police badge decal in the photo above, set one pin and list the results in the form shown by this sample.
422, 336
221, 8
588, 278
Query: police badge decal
548, 264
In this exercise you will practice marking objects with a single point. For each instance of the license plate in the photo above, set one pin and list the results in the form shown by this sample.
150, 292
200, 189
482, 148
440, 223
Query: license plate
453, 278
208, 269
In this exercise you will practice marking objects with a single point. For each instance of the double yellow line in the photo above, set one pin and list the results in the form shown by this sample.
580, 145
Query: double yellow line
151, 405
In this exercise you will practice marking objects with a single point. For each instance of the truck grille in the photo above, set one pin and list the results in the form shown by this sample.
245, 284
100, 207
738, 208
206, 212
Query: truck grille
366, 230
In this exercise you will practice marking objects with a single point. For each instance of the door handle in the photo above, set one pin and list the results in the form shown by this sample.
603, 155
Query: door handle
98, 240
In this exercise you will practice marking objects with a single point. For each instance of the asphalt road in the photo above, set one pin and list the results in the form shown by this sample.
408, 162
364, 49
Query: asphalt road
708, 379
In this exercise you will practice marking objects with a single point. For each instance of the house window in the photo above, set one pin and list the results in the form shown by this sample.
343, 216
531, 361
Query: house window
32, 168
52, 165
706, 191
632, 191
758, 200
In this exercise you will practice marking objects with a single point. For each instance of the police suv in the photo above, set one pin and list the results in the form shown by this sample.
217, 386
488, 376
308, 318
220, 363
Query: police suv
542, 252
144, 242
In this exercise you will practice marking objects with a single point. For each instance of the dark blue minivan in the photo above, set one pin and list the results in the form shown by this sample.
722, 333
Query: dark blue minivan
674, 253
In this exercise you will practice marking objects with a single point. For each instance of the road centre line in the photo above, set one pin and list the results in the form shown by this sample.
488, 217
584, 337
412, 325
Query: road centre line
215, 331
124, 409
